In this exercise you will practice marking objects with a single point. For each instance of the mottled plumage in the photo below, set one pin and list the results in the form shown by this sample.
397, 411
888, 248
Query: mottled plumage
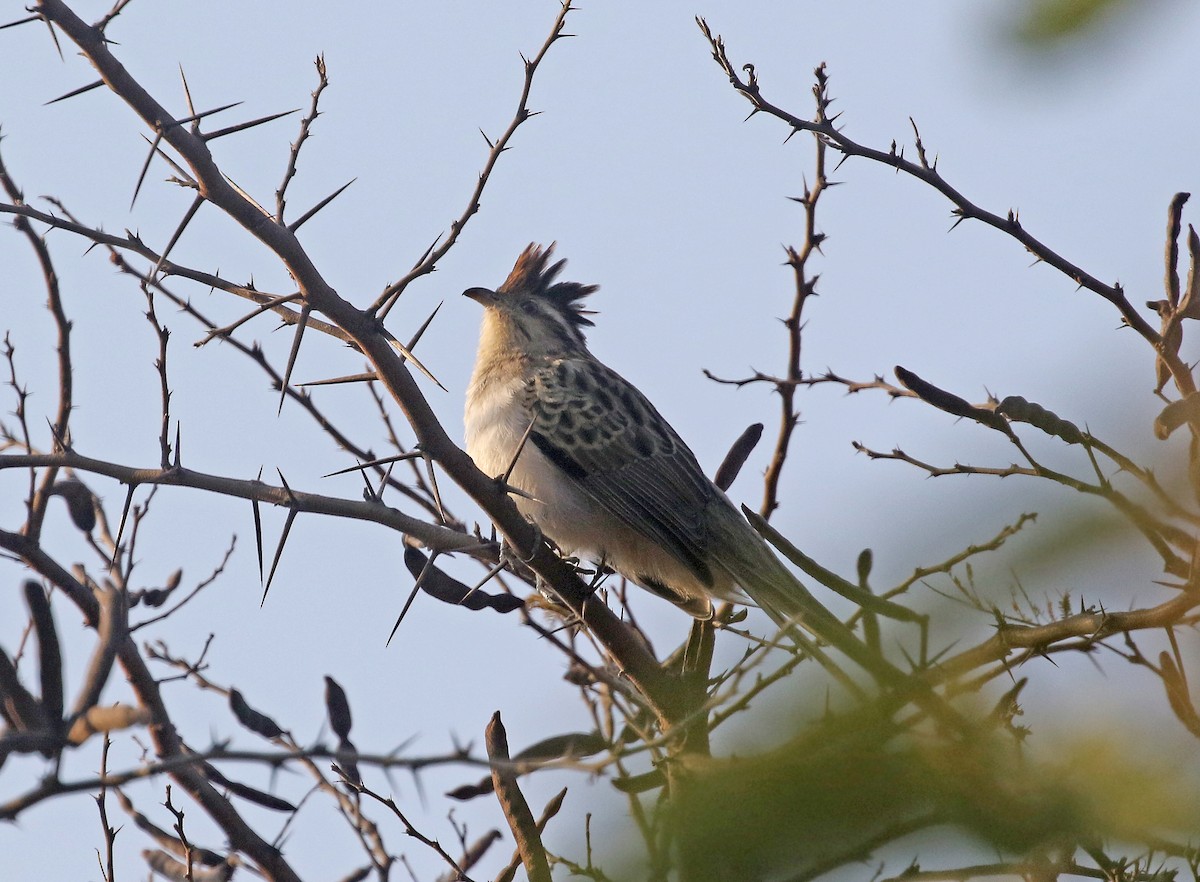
607, 437
609, 477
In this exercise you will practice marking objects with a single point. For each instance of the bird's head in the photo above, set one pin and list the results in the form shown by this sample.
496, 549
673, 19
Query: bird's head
531, 312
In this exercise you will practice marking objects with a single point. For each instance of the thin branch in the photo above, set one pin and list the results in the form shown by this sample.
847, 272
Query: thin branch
805, 284
1159, 534
442, 538
1092, 624
66, 373
964, 209
52, 787
428, 262
410, 829
294, 154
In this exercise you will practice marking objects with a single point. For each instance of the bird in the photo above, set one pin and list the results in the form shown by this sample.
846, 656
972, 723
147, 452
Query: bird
602, 473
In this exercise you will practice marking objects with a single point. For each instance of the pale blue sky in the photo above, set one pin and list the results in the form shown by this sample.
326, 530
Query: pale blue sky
642, 170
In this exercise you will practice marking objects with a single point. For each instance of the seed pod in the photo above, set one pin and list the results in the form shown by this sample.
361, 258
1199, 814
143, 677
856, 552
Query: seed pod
151, 597
49, 654
570, 744
1019, 410
248, 793
338, 708
441, 586
1176, 414
727, 472
567, 745
863, 565
470, 791
107, 719
347, 760
18, 707
156, 597
81, 504
1177, 694
640, 783
950, 403
253, 720
176, 871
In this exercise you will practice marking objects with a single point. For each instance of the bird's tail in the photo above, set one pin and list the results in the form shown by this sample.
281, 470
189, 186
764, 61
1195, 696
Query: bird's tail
767, 582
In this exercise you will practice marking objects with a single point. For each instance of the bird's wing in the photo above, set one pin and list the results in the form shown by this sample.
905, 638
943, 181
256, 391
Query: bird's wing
607, 437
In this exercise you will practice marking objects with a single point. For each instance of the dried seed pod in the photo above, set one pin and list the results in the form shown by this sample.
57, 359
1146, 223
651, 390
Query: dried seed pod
49, 653
1175, 414
1189, 306
950, 403
640, 783
248, 793
151, 597
347, 761
253, 720
570, 744
156, 597
107, 719
727, 472
110, 631
470, 791
567, 745
81, 504
1177, 693
1019, 410
338, 708
870, 621
503, 603
446, 588
169, 868
477, 850
18, 706
863, 565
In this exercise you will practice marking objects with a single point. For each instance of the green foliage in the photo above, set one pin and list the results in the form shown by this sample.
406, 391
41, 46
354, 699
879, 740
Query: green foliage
832, 794
1045, 23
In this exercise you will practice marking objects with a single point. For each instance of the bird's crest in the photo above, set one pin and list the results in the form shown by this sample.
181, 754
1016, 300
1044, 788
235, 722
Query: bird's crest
533, 274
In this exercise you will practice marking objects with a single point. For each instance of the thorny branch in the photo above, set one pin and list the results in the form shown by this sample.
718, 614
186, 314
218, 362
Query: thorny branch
361, 329
634, 699
797, 259
60, 427
926, 171
445, 241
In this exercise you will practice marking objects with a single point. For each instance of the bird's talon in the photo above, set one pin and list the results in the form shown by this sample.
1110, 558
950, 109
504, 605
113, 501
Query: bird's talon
537, 543
511, 555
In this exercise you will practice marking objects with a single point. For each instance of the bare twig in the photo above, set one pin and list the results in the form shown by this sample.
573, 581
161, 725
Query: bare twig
66, 374
305, 130
805, 284
441, 247
964, 209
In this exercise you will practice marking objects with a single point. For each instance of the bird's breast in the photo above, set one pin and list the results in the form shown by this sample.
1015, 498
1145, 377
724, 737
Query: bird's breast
495, 420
